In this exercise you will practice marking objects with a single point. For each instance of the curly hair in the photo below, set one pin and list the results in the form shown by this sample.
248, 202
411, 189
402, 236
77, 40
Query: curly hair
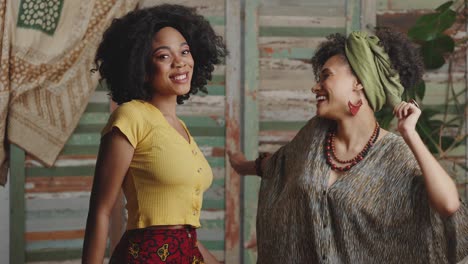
404, 56
123, 57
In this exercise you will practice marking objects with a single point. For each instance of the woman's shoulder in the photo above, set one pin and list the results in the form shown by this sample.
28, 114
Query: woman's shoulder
395, 143
131, 106
395, 154
135, 110
131, 113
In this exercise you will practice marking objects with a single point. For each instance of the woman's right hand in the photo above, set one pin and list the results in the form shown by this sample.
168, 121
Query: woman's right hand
240, 164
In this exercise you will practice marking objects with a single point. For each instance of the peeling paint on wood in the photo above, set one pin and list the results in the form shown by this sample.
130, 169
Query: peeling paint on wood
252, 11
313, 9
233, 134
17, 205
57, 235
301, 21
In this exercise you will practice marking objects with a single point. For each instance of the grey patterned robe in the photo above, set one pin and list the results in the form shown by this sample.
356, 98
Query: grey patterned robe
377, 212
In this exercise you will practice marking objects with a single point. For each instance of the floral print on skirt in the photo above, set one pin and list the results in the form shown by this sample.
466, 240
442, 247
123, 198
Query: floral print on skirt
154, 246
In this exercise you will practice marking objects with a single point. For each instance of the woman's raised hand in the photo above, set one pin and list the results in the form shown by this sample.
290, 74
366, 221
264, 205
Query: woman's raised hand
240, 164
408, 114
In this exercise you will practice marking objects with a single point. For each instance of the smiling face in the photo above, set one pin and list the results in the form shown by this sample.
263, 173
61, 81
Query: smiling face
336, 86
173, 63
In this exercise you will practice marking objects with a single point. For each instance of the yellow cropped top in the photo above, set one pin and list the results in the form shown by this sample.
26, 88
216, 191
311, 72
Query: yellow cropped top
167, 176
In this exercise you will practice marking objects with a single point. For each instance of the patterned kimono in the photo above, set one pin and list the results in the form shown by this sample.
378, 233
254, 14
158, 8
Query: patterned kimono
377, 212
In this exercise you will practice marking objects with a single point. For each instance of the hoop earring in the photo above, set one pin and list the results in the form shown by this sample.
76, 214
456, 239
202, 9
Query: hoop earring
354, 108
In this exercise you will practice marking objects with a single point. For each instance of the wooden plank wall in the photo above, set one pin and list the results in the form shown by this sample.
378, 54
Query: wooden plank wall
289, 33
233, 187
402, 14
56, 199
280, 37
250, 127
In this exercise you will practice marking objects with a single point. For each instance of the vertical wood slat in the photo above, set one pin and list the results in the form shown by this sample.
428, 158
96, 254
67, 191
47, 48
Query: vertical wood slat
368, 14
250, 116
17, 205
353, 15
233, 115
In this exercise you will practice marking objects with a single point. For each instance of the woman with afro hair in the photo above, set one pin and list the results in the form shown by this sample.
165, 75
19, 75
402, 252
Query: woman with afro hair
151, 60
345, 190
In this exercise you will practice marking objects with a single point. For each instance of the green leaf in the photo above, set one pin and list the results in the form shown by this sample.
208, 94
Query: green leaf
433, 51
446, 20
425, 20
423, 28
409, 94
442, 43
384, 117
458, 143
429, 26
446, 142
429, 112
420, 90
443, 7
427, 137
436, 124
427, 120
455, 122
433, 59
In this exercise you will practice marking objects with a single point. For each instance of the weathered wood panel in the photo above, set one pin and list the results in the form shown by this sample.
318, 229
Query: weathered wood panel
251, 119
233, 236
58, 187
17, 205
289, 35
402, 5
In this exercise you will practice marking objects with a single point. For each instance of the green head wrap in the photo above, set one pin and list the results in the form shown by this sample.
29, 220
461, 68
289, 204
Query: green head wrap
372, 66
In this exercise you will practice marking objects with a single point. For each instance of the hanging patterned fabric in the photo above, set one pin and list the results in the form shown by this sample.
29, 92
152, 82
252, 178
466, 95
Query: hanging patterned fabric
47, 51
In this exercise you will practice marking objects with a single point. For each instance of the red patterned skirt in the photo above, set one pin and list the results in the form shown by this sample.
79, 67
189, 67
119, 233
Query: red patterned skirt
168, 246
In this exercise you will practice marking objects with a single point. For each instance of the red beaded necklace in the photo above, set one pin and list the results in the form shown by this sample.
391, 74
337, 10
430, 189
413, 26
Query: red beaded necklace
330, 150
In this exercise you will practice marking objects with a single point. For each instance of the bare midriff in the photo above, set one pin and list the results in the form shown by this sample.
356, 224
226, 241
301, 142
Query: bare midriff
169, 227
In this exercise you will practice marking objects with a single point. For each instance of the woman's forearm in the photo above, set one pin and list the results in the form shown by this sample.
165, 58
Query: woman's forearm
114, 158
243, 166
250, 167
94, 245
440, 187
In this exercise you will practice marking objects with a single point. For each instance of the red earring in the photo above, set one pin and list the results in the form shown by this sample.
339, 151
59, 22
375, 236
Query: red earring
354, 108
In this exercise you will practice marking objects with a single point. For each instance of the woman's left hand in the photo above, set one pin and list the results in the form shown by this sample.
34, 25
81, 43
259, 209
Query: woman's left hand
408, 115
